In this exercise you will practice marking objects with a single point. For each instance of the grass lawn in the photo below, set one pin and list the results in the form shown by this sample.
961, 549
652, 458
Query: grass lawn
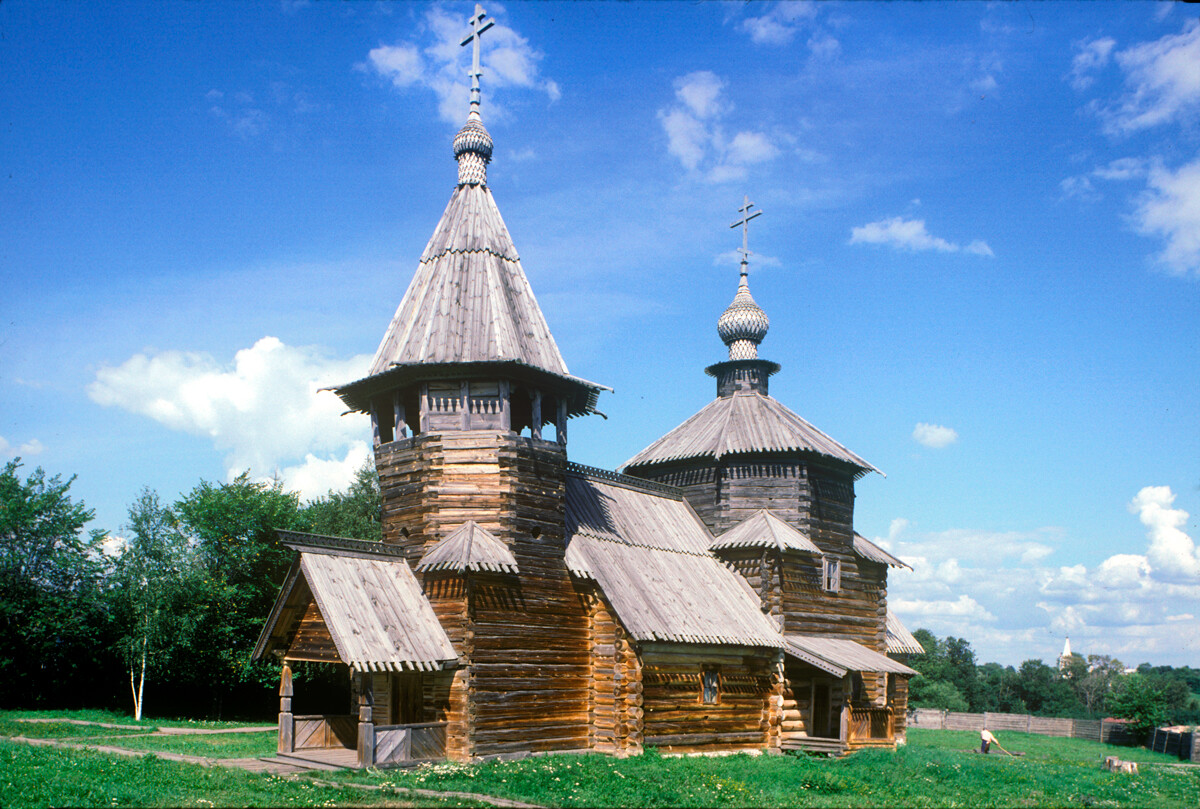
935, 769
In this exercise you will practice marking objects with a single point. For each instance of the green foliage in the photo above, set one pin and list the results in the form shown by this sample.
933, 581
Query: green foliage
940, 694
233, 528
153, 584
353, 513
52, 616
1139, 699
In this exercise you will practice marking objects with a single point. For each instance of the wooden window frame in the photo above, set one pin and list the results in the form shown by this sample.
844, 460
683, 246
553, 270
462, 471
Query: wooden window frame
710, 677
831, 575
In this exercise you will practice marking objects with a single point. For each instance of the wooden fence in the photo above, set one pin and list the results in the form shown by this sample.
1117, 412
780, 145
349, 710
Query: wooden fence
1096, 730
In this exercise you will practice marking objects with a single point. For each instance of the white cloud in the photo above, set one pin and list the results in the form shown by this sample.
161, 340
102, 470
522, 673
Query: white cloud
1003, 592
934, 436
266, 411
696, 137
1163, 81
1170, 207
910, 234
435, 60
30, 447
1091, 55
1172, 553
780, 24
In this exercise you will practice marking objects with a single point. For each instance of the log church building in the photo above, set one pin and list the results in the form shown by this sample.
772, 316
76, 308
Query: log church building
713, 596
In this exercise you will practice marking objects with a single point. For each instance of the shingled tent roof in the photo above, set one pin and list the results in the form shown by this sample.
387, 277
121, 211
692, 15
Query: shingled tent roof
745, 421
469, 301
469, 548
762, 529
648, 551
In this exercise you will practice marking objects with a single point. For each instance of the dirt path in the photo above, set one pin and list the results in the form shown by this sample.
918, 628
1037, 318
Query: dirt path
161, 731
271, 767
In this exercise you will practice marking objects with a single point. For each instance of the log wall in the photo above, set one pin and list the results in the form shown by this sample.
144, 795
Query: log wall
615, 703
523, 640
677, 719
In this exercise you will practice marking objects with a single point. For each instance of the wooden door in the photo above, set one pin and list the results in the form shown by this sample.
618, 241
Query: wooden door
819, 725
406, 698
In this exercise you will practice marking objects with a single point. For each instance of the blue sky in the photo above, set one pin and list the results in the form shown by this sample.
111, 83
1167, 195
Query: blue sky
980, 254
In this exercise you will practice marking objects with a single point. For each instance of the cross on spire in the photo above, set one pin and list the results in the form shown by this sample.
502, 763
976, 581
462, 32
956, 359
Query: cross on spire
744, 222
478, 26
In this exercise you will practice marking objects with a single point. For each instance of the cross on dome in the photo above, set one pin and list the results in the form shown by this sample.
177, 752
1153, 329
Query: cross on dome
478, 26
743, 324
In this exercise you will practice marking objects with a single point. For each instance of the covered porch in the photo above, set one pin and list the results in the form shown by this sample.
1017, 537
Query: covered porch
358, 604
840, 696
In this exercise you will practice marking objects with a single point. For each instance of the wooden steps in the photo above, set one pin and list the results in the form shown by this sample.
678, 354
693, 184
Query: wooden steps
813, 744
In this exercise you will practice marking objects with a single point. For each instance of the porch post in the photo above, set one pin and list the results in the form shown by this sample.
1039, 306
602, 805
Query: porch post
844, 729
287, 723
366, 720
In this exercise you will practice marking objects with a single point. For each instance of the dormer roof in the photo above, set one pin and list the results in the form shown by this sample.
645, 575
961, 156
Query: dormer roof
469, 547
764, 530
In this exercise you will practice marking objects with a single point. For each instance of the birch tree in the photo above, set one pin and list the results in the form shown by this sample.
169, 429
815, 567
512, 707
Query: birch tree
151, 583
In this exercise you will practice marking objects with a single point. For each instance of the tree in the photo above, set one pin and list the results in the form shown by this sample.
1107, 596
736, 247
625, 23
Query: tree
52, 620
353, 513
1137, 699
1093, 685
150, 588
233, 527
940, 694
999, 689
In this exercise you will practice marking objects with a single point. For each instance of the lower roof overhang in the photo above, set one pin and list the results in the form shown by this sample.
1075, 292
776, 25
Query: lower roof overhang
838, 656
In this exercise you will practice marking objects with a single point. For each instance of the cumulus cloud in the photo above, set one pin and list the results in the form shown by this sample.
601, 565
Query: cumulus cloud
1090, 56
780, 24
266, 411
1004, 592
435, 60
934, 436
696, 135
1170, 208
910, 234
1162, 82
30, 447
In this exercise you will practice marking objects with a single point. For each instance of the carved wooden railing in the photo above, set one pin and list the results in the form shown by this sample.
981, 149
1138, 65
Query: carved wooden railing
325, 731
421, 741
870, 725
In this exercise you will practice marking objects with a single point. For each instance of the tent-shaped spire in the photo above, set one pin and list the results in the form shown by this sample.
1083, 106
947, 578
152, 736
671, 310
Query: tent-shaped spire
469, 301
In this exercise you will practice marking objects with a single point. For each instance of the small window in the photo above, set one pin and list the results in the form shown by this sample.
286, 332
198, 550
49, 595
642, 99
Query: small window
832, 580
710, 687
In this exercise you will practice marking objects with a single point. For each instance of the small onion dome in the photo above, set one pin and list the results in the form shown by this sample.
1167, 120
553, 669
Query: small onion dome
743, 325
473, 151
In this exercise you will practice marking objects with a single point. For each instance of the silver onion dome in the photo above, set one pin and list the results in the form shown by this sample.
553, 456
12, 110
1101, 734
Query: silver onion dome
744, 324
473, 151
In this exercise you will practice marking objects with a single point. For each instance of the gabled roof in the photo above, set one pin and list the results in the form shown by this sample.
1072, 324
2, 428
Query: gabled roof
836, 656
899, 639
764, 530
371, 603
745, 421
469, 547
869, 550
469, 300
648, 552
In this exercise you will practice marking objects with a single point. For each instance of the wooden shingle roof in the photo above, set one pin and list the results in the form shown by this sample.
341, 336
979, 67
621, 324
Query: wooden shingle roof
648, 551
837, 656
764, 530
899, 639
869, 550
469, 548
745, 421
373, 606
469, 300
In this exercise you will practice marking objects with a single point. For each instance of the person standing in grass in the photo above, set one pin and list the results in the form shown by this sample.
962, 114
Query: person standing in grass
986, 740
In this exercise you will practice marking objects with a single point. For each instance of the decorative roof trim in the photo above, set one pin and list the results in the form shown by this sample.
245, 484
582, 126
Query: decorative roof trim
338, 546
627, 481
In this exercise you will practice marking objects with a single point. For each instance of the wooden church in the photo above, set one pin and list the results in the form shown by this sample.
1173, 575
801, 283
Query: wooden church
714, 597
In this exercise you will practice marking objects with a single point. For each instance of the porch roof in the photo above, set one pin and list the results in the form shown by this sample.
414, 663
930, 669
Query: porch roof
369, 600
836, 656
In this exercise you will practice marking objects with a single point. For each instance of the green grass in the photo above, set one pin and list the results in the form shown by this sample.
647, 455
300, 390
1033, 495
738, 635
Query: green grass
220, 745
40, 777
934, 770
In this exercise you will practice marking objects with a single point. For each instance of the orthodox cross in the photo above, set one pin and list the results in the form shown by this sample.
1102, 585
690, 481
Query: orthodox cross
744, 222
478, 26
